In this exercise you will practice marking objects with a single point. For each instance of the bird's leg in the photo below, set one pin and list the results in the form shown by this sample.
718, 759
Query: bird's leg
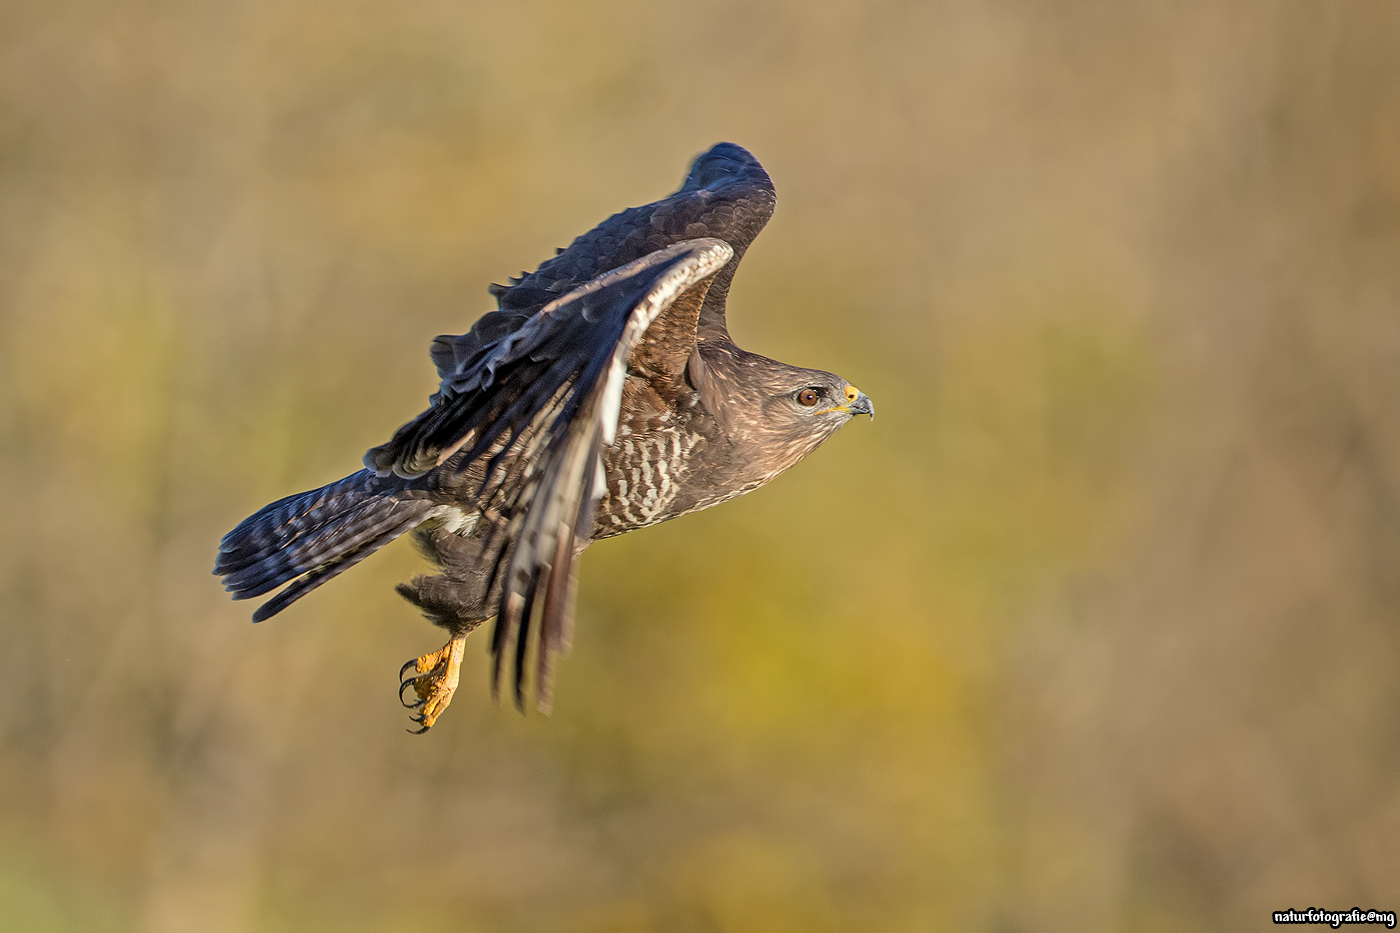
455, 599
435, 681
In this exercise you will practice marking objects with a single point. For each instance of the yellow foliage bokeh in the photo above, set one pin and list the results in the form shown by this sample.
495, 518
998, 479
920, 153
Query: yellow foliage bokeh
1092, 629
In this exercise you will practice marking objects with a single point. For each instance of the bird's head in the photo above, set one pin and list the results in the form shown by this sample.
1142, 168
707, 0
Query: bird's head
780, 413
803, 408
821, 403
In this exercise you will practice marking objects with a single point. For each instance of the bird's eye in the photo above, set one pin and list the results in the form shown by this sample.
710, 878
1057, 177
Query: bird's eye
808, 397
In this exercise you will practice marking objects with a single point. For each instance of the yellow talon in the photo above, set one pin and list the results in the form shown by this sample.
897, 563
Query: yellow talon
436, 681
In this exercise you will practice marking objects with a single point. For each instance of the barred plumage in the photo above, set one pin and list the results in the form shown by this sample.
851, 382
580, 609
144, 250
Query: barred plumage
602, 395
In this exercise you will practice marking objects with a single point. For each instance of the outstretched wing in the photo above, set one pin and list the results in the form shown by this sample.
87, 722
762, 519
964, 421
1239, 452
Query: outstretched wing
726, 195
536, 404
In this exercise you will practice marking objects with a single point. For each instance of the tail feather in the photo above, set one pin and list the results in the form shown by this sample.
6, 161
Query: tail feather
315, 536
276, 525
354, 532
325, 572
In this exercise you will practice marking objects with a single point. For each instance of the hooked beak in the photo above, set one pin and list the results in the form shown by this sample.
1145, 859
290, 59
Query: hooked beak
857, 403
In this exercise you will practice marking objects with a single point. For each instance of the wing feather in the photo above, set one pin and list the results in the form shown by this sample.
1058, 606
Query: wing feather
726, 195
538, 404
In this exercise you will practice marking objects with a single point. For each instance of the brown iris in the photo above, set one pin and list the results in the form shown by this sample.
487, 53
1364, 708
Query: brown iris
808, 397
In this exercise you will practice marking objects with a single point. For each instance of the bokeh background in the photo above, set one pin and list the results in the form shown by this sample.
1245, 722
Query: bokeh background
1094, 629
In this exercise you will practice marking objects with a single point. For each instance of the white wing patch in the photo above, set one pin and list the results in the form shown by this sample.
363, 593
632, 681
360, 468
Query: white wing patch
561, 500
707, 256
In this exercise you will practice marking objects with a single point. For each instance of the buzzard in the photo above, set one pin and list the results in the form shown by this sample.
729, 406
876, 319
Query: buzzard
603, 394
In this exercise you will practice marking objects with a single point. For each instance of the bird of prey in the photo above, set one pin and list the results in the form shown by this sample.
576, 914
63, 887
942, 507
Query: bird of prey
603, 395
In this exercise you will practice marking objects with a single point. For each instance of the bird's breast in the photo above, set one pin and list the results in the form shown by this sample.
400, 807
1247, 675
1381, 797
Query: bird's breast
649, 479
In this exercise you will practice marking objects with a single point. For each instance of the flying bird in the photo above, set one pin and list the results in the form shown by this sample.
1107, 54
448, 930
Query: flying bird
603, 395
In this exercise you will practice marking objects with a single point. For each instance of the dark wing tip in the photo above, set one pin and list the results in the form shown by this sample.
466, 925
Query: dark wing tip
724, 165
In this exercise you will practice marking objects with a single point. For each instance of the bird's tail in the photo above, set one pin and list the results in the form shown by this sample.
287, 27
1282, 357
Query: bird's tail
312, 536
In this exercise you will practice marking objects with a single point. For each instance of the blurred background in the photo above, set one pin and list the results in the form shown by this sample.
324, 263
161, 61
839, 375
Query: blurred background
1094, 629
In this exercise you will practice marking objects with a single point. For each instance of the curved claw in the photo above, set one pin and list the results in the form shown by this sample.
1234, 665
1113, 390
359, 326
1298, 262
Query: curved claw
417, 731
404, 685
433, 678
